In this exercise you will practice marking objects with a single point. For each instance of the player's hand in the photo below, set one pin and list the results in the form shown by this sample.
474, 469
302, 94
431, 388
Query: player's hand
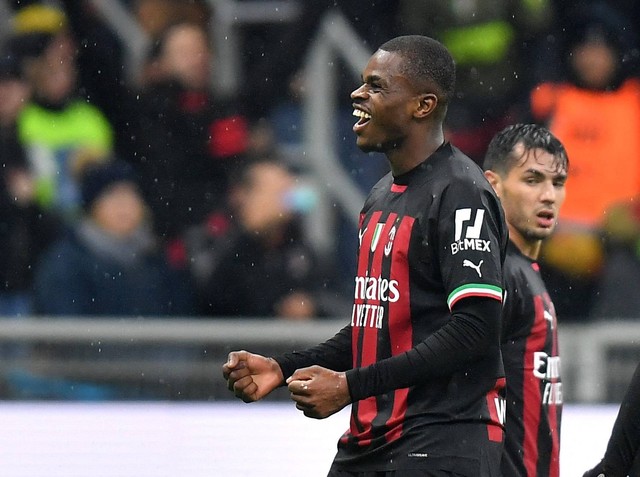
319, 392
251, 376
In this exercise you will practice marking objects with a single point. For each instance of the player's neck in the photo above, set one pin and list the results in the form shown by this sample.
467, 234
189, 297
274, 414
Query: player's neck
413, 153
528, 248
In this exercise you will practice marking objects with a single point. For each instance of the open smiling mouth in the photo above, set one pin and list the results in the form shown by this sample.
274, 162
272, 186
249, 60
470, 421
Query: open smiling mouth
364, 118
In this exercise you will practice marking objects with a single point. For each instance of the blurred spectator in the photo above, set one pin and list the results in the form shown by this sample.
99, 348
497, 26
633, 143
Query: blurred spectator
267, 268
498, 46
595, 112
109, 263
629, 9
187, 140
277, 86
57, 125
25, 228
616, 290
100, 58
155, 16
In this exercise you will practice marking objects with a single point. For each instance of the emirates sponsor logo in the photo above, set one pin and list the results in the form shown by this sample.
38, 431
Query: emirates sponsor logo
547, 368
376, 289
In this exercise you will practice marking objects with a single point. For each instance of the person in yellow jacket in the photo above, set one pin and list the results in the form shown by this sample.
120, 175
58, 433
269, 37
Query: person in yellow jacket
57, 127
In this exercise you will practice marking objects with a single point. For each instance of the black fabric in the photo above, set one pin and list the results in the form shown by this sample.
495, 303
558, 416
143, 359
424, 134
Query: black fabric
621, 457
251, 278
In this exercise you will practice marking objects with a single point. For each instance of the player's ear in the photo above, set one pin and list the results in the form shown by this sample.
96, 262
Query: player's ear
427, 104
494, 180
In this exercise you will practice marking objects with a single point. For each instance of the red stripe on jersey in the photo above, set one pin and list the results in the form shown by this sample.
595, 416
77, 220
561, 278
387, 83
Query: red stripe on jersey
531, 393
398, 188
496, 405
400, 326
554, 464
367, 354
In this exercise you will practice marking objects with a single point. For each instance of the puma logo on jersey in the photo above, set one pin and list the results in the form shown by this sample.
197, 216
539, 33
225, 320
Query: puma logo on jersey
470, 264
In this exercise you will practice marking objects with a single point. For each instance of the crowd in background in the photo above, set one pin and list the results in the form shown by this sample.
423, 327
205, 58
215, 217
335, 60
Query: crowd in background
156, 195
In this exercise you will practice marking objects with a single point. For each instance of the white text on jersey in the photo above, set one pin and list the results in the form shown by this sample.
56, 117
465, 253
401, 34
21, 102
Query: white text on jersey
470, 240
379, 289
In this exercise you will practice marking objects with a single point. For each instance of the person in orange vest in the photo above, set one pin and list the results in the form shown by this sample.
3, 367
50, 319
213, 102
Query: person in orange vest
595, 112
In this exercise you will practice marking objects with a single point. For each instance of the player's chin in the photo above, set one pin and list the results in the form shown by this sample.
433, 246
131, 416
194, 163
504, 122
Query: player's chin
540, 233
366, 144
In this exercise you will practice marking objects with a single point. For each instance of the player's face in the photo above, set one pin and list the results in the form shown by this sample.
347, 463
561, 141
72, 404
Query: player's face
531, 195
383, 104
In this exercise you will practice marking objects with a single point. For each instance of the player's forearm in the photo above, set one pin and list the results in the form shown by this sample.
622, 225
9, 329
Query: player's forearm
472, 333
334, 354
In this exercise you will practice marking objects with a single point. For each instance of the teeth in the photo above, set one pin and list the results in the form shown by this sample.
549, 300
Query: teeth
361, 114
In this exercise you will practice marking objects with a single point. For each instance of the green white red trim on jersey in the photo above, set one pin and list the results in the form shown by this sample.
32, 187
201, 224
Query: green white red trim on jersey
474, 289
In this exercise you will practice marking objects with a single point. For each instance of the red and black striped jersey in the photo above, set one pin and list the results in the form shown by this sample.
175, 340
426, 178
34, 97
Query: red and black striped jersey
421, 351
532, 367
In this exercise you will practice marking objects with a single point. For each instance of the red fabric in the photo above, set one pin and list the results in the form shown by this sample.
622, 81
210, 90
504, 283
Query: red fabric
193, 101
176, 253
217, 224
228, 136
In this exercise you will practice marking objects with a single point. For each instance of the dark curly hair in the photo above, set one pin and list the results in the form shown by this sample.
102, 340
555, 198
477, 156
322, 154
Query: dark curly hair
501, 155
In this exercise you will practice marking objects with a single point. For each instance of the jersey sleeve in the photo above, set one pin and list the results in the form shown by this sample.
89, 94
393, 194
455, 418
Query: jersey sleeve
334, 354
471, 242
471, 333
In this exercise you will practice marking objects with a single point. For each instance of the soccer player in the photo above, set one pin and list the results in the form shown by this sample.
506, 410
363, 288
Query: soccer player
419, 359
527, 166
622, 456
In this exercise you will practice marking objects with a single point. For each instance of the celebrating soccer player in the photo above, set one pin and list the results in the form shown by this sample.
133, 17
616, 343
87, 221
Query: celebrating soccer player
419, 359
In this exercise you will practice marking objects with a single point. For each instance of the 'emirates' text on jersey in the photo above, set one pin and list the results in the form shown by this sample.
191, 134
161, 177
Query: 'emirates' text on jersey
428, 239
532, 366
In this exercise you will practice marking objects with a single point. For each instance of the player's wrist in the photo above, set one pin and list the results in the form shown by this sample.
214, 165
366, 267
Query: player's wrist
343, 388
352, 378
277, 370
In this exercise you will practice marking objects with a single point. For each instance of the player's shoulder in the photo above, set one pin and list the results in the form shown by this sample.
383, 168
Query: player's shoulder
454, 169
380, 189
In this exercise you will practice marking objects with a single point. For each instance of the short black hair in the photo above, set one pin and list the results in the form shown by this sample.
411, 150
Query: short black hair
426, 59
501, 155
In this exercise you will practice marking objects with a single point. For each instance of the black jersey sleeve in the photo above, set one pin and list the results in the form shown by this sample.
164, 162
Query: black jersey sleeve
470, 239
471, 333
624, 443
334, 354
